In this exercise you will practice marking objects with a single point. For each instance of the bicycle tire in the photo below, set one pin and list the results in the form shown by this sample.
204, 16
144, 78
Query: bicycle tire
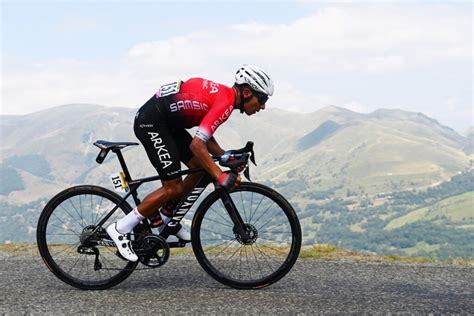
203, 246
56, 232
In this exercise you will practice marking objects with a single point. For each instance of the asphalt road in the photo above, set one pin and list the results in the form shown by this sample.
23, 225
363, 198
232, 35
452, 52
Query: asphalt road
182, 287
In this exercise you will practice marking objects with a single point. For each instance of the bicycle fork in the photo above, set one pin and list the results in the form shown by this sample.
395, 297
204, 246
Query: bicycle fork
239, 225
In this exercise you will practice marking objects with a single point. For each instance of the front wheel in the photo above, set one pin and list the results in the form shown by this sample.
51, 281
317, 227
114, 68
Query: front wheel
257, 262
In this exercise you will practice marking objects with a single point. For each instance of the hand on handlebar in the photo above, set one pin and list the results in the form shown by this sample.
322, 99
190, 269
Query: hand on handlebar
228, 180
234, 160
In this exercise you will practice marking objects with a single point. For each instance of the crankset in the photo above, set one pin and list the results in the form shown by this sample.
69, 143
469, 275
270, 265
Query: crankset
152, 250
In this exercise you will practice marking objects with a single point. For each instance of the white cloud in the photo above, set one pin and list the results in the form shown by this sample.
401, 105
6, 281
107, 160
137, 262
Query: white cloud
365, 40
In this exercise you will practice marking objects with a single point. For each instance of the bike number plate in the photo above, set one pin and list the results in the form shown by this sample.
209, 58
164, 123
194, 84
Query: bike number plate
119, 183
169, 89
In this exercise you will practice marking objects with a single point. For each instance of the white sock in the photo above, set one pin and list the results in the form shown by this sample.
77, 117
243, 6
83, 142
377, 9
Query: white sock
165, 220
132, 219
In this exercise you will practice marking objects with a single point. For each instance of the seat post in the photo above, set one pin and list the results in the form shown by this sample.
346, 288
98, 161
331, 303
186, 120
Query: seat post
122, 164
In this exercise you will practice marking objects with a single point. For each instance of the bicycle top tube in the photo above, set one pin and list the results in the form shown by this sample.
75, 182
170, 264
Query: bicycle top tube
155, 178
240, 157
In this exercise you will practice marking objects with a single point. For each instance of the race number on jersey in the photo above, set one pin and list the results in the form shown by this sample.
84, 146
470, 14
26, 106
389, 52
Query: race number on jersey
169, 89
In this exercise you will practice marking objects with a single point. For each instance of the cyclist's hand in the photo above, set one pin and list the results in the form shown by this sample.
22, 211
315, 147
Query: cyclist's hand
228, 180
241, 168
227, 157
237, 183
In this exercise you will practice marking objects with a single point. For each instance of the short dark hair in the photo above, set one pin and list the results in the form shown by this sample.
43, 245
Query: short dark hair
241, 86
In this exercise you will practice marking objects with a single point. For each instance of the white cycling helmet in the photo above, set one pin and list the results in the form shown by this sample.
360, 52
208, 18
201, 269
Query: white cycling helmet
256, 78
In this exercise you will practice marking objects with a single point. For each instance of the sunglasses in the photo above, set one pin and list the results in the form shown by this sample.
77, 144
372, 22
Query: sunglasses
261, 97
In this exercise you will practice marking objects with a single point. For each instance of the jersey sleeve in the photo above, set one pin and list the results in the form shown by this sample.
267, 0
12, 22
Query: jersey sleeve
213, 119
218, 114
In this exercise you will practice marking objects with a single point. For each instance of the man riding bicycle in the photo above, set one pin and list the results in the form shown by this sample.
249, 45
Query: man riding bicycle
160, 125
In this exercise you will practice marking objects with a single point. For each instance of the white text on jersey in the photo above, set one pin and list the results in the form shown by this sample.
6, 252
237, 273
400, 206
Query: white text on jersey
188, 105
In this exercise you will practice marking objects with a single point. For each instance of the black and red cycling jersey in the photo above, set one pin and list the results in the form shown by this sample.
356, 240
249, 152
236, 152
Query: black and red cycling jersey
196, 102
161, 123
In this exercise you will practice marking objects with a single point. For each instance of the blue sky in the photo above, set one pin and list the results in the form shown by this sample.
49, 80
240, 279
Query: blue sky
416, 56
96, 30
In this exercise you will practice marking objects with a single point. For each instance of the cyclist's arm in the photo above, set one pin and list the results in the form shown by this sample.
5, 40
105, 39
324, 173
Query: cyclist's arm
214, 148
200, 151
204, 142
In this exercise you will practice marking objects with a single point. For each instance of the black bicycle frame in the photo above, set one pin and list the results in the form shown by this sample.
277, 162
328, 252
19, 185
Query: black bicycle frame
184, 205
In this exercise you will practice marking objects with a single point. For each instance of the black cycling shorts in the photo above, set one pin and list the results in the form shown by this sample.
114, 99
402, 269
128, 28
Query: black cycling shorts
165, 145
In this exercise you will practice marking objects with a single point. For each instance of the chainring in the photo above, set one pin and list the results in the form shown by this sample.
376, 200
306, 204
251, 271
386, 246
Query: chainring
154, 250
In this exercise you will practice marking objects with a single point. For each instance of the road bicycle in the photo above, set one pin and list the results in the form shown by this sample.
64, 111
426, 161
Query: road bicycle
248, 237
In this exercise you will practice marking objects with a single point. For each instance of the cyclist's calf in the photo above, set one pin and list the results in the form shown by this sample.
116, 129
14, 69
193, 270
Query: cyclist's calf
170, 190
173, 189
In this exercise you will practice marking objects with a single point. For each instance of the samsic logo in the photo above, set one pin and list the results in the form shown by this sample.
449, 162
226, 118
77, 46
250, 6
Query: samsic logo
188, 105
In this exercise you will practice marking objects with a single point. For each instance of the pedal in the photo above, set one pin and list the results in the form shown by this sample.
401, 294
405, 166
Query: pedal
177, 244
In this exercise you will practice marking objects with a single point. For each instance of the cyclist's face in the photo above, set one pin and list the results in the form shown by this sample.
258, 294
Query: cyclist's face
254, 105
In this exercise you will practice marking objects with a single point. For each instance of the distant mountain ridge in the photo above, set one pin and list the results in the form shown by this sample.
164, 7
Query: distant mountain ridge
332, 147
389, 181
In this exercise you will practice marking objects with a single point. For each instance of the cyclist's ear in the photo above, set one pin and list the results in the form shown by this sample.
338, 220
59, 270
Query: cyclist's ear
246, 92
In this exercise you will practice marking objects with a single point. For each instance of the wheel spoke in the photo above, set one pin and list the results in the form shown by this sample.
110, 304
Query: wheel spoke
62, 234
231, 241
225, 219
266, 256
67, 214
219, 223
211, 231
74, 207
250, 220
273, 248
243, 206
256, 221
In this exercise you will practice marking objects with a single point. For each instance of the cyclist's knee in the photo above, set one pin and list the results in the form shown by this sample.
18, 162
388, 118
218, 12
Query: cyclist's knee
174, 189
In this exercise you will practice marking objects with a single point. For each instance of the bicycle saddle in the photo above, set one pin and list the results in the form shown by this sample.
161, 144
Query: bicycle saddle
103, 144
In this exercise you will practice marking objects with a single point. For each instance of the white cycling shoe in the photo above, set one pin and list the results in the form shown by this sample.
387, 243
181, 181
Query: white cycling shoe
122, 242
183, 234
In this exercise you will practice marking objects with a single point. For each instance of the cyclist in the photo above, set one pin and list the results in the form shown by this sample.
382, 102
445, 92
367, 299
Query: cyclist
160, 125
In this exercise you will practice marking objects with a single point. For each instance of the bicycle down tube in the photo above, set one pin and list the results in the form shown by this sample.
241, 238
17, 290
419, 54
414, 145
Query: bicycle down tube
184, 206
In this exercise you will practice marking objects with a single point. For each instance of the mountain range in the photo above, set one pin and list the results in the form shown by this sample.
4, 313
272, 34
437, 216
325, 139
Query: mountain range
333, 153
331, 148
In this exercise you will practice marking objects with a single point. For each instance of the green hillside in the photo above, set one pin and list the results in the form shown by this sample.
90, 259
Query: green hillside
390, 182
359, 223
456, 209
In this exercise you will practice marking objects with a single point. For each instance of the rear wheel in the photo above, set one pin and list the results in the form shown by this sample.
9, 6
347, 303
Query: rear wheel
67, 221
257, 262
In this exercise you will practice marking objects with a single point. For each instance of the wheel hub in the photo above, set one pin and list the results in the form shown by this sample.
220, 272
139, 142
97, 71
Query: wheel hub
252, 235
88, 237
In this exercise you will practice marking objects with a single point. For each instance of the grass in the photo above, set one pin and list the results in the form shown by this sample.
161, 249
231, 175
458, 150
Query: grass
455, 208
20, 249
329, 252
314, 252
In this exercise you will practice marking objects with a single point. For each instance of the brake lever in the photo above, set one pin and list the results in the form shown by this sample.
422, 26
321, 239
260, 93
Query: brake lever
249, 149
247, 173
252, 157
